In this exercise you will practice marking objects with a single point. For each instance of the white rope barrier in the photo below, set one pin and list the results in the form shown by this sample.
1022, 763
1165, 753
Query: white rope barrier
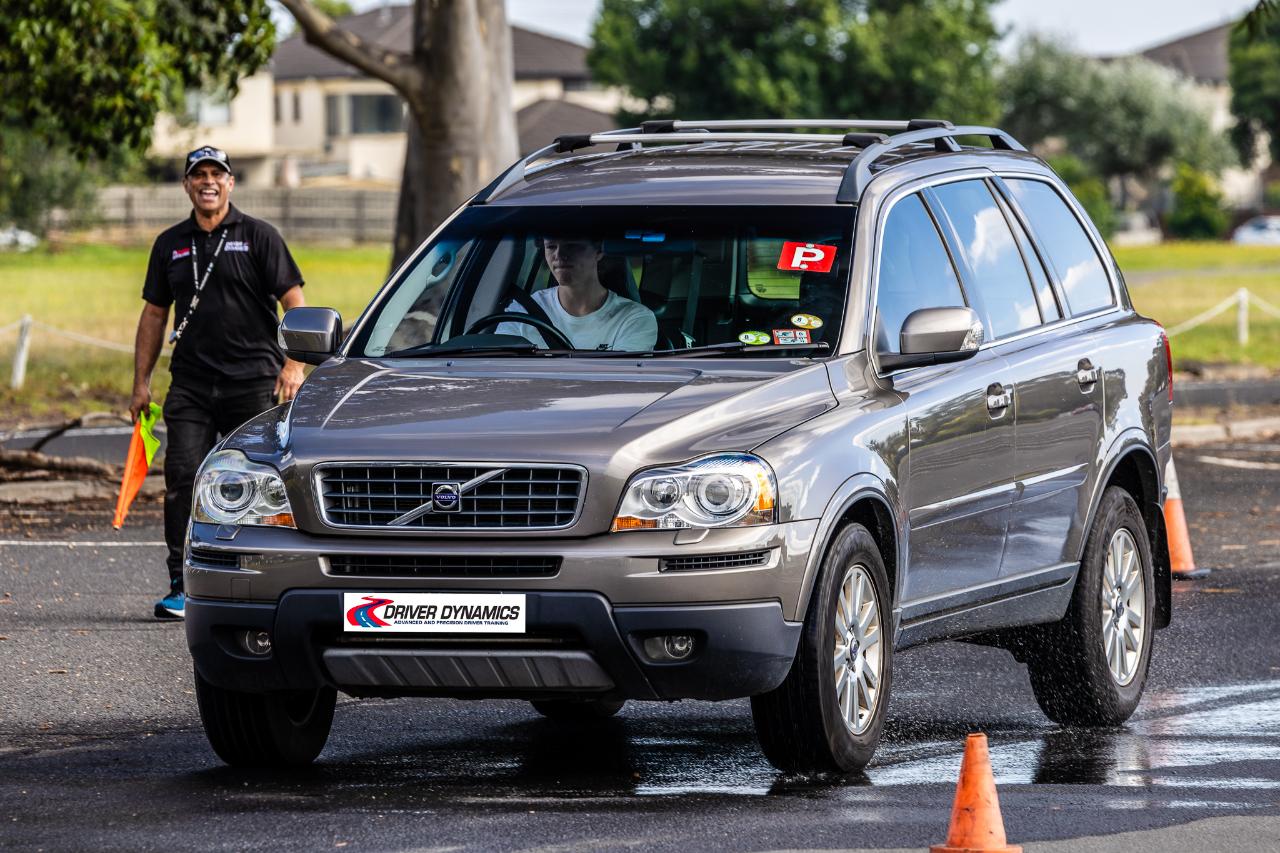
1264, 305
23, 350
1206, 316
84, 339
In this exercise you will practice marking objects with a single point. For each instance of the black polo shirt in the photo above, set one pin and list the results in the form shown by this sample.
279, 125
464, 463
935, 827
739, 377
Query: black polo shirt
232, 334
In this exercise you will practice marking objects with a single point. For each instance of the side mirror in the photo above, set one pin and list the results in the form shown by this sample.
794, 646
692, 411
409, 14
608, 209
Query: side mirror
310, 335
936, 336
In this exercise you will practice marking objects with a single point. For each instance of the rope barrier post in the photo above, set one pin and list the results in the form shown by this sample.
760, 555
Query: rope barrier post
1242, 317
20, 354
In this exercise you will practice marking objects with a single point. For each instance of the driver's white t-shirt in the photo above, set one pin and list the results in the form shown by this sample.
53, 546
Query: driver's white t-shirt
618, 324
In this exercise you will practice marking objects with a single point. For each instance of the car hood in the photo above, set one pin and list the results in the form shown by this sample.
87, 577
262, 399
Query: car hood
599, 413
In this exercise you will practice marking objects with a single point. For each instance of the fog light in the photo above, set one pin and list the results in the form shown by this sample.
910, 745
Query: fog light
668, 648
256, 642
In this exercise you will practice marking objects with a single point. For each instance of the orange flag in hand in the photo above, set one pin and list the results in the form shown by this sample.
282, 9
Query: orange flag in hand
142, 449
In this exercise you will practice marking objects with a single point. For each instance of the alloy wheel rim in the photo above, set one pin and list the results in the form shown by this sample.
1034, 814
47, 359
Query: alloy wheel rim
859, 654
1124, 607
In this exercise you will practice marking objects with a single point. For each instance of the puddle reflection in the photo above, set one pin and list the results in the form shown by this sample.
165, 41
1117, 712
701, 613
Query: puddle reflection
1183, 740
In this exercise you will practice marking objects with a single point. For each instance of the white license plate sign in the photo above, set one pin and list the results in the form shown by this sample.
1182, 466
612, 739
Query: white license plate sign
433, 613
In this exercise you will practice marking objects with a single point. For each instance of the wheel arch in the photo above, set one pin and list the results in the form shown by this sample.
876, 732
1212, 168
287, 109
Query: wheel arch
1132, 466
862, 500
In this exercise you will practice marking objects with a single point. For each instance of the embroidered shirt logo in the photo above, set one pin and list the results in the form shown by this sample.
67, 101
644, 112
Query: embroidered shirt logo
181, 253
237, 245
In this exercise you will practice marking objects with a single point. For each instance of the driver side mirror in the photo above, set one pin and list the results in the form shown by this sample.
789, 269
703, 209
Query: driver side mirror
935, 336
310, 335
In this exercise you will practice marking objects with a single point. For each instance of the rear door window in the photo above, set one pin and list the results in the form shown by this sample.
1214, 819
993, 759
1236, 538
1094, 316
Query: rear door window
915, 271
1069, 249
998, 282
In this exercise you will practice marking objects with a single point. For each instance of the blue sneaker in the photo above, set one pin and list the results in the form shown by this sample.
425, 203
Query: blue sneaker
172, 606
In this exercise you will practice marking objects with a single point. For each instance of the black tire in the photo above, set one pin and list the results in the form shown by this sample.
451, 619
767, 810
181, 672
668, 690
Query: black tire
283, 729
577, 710
1070, 675
800, 723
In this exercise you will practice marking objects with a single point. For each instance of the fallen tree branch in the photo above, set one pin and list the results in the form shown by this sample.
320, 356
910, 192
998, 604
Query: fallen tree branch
30, 460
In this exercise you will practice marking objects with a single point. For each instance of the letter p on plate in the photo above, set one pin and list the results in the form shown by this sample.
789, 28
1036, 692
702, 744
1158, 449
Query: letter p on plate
807, 257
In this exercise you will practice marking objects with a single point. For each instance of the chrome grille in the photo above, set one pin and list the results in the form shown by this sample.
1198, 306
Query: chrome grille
442, 566
399, 496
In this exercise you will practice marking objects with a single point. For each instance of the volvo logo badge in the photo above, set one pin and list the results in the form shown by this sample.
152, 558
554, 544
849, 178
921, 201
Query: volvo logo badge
446, 497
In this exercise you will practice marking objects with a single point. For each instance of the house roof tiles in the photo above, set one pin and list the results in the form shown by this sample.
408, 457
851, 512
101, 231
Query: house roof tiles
536, 55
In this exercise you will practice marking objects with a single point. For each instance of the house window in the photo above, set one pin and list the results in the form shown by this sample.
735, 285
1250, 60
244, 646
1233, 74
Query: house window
276, 107
297, 107
208, 110
376, 114
332, 116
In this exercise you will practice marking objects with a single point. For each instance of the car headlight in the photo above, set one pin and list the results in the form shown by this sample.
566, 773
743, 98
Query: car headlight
232, 490
725, 490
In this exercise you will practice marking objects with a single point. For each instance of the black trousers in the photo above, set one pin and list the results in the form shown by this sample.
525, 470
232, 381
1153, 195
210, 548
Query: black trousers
196, 414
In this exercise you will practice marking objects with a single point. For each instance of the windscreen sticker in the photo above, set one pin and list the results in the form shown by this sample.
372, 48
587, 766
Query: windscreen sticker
806, 321
791, 336
807, 257
754, 338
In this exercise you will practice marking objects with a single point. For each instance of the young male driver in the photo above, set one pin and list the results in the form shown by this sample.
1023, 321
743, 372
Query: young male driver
590, 315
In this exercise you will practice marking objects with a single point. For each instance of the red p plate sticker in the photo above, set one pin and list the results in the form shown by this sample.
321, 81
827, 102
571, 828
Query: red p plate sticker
807, 257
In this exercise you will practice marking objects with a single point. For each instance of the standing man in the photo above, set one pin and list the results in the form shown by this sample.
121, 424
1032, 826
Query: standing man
224, 273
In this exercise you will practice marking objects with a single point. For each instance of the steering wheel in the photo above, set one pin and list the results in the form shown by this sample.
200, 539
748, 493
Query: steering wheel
549, 331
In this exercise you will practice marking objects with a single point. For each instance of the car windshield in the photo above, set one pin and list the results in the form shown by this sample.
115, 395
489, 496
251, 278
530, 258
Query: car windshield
662, 280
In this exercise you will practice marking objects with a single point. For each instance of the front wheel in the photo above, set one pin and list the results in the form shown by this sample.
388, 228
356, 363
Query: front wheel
1090, 668
828, 713
282, 729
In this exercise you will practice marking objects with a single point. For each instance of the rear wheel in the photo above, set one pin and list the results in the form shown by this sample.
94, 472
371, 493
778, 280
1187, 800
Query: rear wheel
288, 728
828, 713
577, 709
1090, 668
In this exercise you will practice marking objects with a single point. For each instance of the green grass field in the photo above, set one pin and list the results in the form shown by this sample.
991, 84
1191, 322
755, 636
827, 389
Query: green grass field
95, 290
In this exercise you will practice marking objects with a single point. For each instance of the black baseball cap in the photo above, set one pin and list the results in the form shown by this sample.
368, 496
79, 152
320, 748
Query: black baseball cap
210, 154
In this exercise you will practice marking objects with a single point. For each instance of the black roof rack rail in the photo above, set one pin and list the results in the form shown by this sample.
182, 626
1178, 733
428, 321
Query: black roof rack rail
941, 134
858, 134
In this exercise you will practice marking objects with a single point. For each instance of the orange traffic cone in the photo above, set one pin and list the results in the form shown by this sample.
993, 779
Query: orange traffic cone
976, 824
1182, 563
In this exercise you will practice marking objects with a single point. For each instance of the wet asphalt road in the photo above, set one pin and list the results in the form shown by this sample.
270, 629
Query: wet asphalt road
100, 744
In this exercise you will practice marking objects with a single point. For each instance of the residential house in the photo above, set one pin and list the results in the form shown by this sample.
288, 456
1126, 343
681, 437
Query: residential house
311, 115
331, 118
1202, 57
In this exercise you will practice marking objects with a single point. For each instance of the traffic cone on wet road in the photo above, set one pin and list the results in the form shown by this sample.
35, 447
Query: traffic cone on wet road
976, 824
1182, 563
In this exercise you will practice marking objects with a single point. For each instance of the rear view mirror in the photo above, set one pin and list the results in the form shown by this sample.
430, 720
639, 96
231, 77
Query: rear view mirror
310, 335
935, 336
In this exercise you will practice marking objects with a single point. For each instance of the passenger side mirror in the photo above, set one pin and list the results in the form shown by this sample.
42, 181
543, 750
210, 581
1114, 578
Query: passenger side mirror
310, 335
935, 336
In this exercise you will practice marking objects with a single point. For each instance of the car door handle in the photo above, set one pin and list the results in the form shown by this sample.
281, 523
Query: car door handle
998, 398
1086, 374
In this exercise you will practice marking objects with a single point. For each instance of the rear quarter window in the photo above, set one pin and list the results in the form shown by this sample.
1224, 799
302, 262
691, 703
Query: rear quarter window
1070, 251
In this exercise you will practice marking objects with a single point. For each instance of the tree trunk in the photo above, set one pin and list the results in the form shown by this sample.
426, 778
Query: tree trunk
462, 131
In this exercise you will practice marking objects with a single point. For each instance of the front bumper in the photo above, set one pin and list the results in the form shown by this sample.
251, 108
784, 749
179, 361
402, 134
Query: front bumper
576, 644
264, 563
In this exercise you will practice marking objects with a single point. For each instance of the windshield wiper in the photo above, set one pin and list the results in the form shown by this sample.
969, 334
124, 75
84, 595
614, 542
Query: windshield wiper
492, 349
734, 346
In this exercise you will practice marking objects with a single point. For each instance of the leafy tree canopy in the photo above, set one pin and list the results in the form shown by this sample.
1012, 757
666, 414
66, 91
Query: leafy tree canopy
1124, 117
96, 73
799, 58
1254, 74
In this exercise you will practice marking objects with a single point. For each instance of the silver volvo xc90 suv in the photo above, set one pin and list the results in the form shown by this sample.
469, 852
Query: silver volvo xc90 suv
703, 410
